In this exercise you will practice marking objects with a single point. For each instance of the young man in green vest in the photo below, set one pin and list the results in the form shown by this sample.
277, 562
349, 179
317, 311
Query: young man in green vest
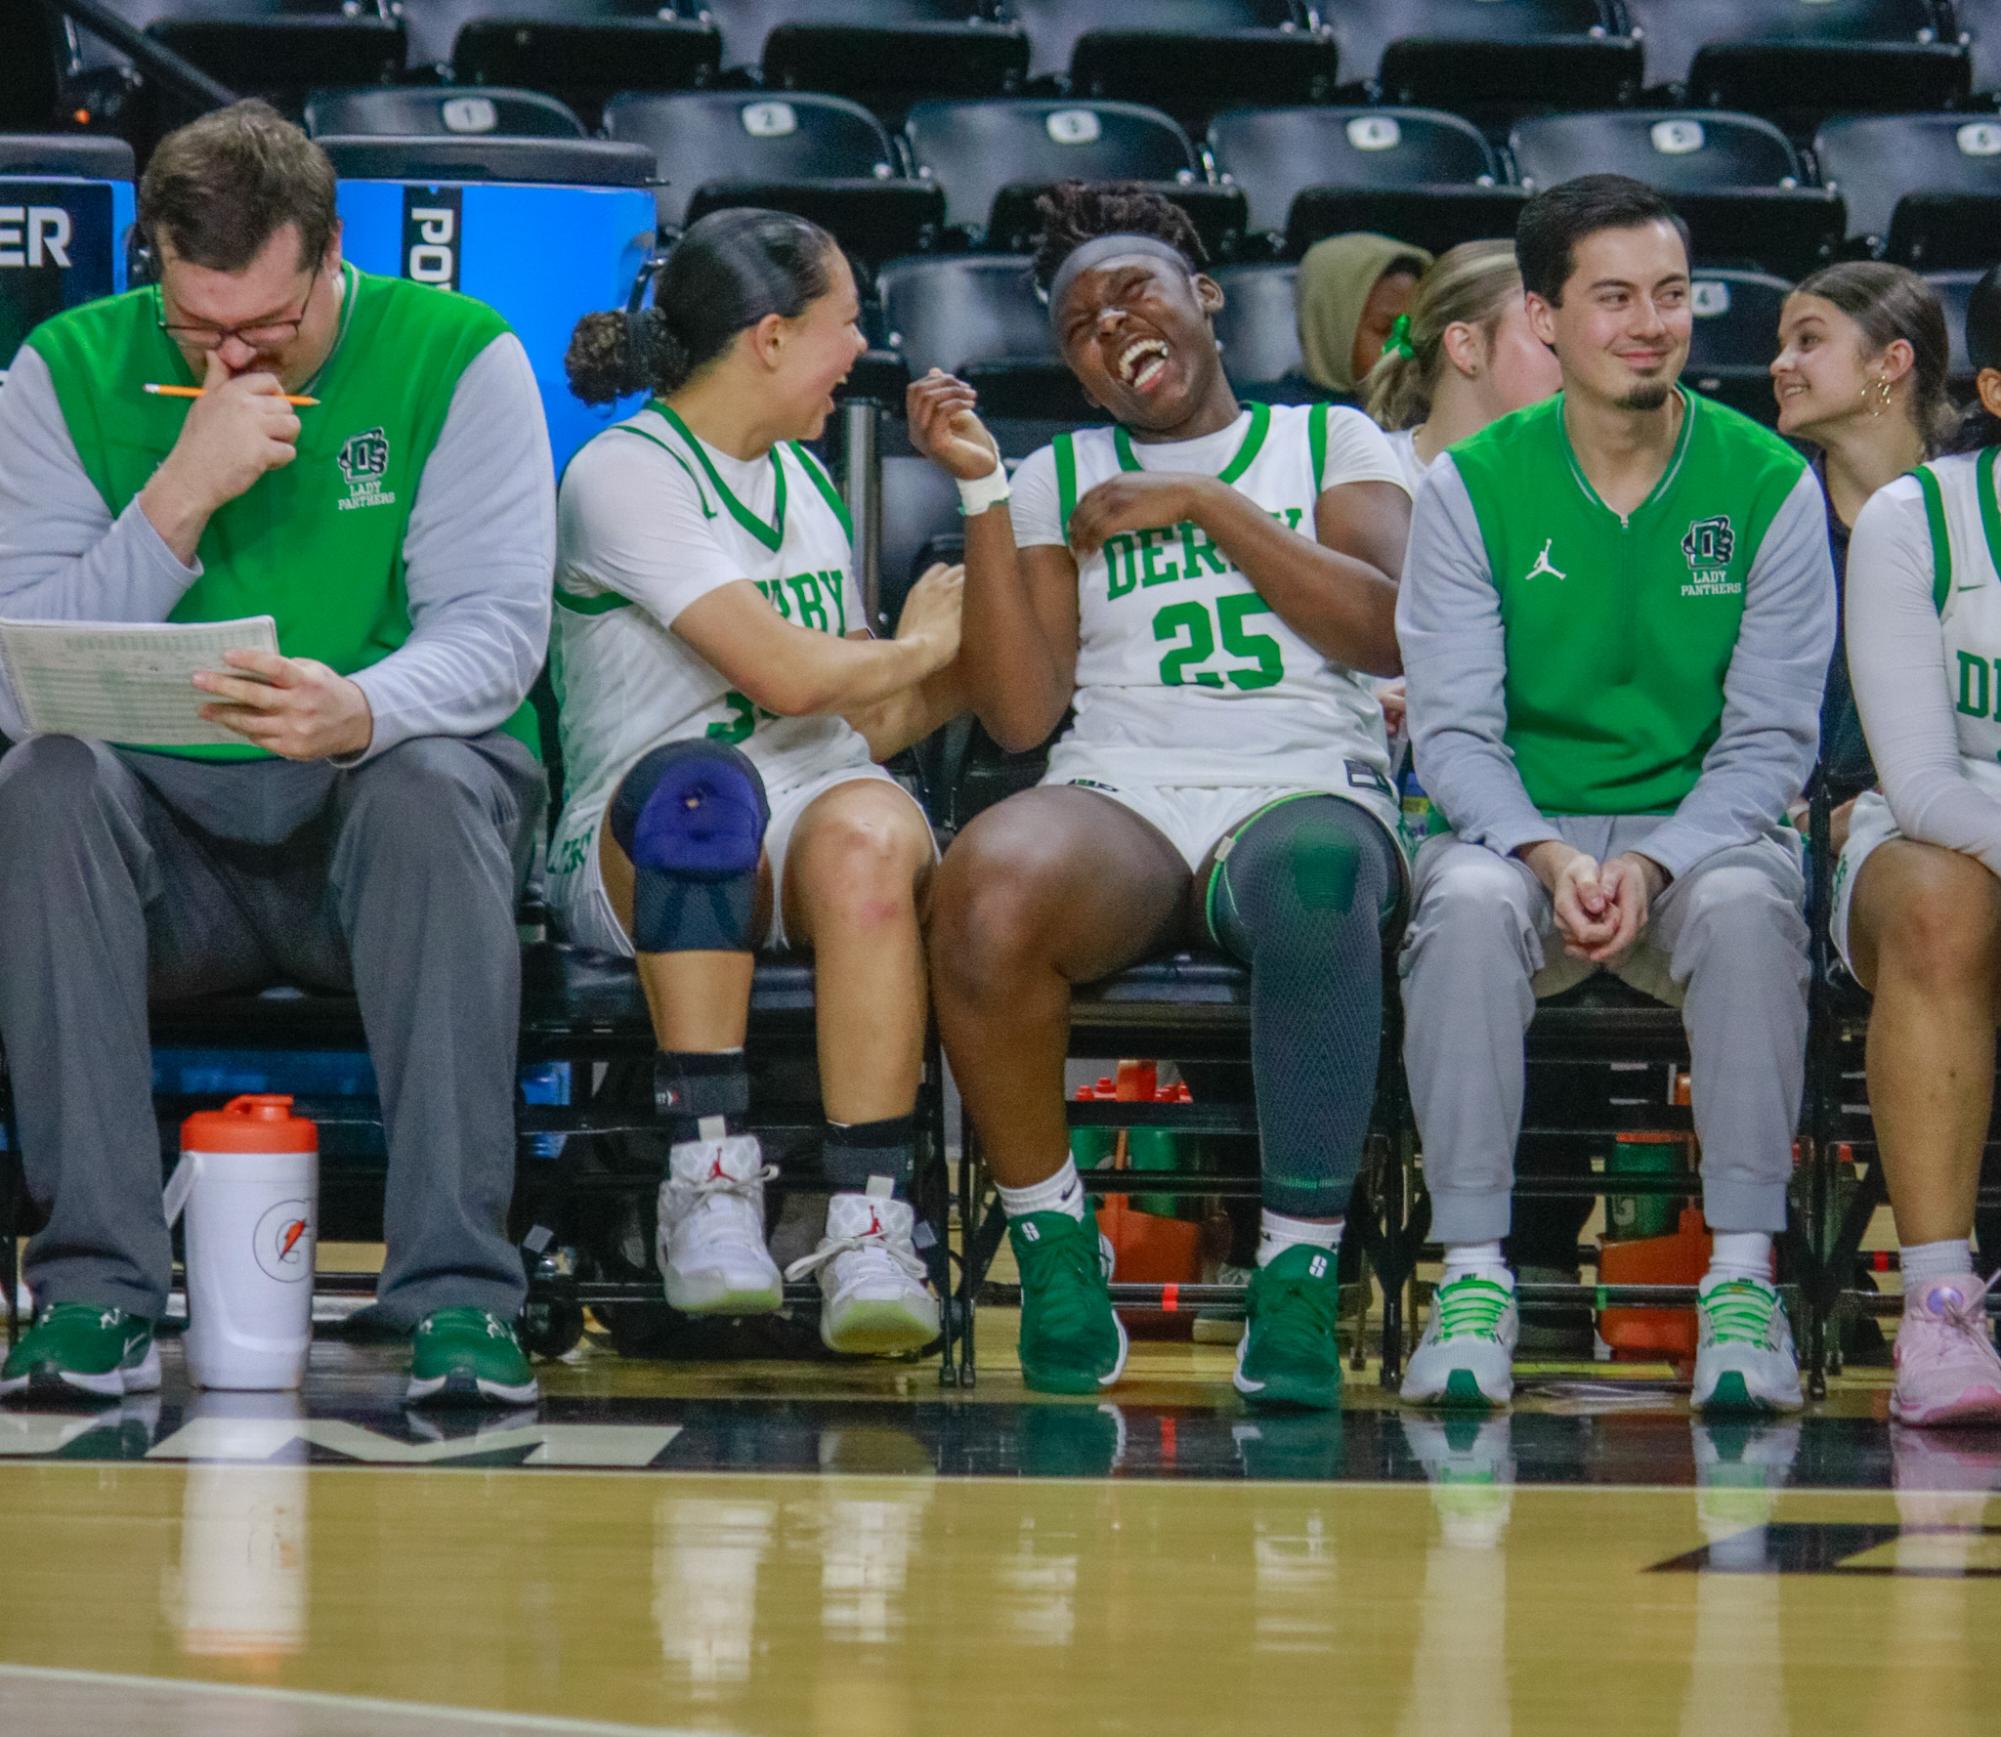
370, 829
1615, 618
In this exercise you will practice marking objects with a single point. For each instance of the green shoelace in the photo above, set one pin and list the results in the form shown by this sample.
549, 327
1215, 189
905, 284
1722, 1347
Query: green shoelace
1471, 1309
1295, 1315
1064, 1277
1740, 1312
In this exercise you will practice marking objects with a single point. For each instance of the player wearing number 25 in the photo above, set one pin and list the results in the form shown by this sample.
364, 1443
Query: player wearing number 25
370, 828
1615, 620
1209, 585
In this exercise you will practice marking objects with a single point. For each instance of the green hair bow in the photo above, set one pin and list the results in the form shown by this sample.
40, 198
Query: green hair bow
1398, 342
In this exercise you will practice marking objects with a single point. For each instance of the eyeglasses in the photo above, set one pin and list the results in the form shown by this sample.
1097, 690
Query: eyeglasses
261, 335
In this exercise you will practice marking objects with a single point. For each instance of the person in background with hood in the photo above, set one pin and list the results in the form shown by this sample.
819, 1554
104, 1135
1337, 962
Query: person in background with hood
1351, 290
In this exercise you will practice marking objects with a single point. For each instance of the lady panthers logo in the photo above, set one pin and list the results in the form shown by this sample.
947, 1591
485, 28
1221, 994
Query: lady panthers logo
1710, 542
1707, 547
364, 462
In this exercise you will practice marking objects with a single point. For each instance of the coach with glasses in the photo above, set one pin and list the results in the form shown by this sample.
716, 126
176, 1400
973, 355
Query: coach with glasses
368, 828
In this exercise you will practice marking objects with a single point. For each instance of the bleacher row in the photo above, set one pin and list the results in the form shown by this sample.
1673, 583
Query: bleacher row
1189, 56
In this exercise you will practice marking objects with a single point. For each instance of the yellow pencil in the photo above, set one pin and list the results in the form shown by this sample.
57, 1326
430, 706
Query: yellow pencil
197, 392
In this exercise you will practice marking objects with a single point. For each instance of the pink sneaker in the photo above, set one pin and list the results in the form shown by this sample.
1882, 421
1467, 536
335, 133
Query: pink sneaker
1948, 1371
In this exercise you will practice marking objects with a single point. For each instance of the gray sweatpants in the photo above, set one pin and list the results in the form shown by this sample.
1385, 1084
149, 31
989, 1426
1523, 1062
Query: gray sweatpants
1726, 943
131, 876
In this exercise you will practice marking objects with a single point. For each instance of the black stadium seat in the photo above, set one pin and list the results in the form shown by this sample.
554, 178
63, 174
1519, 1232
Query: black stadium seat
1955, 290
920, 524
886, 53
1735, 179
275, 48
411, 110
1258, 332
581, 50
825, 157
1483, 57
1736, 335
993, 158
1923, 189
1189, 57
1799, 59
979, 316
1980, 24
1418, 174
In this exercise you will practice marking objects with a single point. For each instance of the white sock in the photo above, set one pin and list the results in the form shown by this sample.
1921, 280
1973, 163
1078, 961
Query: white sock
1739, 1254
1277, 1233
1477, 1260
1063, 1192
1926, 1261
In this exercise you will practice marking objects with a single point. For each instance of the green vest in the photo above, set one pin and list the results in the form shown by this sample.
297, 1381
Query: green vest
318, 545
1619, 630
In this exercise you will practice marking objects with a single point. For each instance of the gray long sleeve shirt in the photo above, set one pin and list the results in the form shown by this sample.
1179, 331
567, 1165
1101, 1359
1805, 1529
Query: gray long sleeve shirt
479, 554
1450, 629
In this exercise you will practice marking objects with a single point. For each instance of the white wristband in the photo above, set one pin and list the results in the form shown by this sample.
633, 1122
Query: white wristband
984, 492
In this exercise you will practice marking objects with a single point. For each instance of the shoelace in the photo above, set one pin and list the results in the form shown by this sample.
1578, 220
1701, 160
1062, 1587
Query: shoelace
106, 1319
1471, 1308
1296, 1313
748, 1190
877, 1249
1739, 1312
490, 1324
1065, 1275
1966, 1317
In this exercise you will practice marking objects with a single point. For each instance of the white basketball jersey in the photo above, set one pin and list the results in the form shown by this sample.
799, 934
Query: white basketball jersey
624, 680
1185, 675
1964, 517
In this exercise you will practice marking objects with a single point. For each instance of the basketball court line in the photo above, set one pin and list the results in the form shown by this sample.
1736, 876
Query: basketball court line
471, 1719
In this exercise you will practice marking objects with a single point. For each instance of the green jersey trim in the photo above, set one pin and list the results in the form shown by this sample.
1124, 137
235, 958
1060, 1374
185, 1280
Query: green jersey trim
1941, 537
1990, 509
701, 494
825, 484
1065, 448
772, 536
1316, 442
1254, 439
602, 604
1689, 401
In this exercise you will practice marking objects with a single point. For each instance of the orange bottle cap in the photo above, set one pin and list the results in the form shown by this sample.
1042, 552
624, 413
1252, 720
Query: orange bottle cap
256, 1122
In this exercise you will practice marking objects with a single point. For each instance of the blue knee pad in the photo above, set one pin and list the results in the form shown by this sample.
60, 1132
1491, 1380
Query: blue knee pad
691, 816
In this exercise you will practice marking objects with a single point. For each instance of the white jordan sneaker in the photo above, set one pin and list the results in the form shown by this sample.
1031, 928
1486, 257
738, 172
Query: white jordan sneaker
1744, 1357
871, 1278
1467, 1355
711, 1244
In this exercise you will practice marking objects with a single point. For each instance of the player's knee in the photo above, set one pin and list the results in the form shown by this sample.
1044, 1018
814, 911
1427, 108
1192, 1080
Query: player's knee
1943, 938
691, 816
860, 865
991, 907
1299, 888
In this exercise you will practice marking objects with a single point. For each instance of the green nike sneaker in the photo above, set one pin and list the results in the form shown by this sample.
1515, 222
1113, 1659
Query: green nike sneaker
1071, 1342
1290, 1354
468, 1357
81, 1348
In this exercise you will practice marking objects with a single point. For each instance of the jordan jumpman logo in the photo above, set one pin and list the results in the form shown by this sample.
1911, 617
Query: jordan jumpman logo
1544, 565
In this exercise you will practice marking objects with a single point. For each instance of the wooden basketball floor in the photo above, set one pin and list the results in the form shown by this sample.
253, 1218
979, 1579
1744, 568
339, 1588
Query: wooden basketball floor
767, 1548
